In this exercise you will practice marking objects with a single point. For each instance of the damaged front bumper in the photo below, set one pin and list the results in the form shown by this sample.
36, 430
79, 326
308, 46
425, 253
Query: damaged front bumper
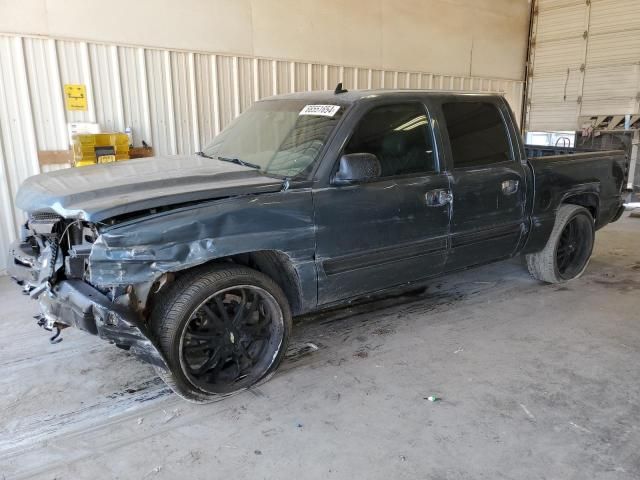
74, 302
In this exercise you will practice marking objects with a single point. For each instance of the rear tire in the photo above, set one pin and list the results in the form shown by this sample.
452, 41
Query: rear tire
568, 250
222, 329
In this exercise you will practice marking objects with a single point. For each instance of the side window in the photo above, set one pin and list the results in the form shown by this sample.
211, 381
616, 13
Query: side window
399, 135
477, 134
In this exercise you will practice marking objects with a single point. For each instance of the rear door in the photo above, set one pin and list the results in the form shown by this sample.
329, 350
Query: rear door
391, 229
488, 180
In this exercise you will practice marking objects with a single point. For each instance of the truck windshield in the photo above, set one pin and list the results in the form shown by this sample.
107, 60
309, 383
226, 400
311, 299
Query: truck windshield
281, 137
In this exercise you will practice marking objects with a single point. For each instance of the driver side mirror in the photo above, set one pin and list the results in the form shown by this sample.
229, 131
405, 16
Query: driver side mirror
356, 167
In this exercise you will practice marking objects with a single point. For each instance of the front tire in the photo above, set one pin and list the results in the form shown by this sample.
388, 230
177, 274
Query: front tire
222, 329
568, 250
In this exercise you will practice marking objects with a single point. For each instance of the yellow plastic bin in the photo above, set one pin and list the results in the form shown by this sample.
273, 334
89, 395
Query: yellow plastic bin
92, 148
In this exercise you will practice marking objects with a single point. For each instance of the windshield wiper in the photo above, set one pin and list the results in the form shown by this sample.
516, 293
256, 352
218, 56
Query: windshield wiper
237, 161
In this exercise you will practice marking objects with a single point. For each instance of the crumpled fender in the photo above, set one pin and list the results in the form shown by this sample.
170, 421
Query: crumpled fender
141, 250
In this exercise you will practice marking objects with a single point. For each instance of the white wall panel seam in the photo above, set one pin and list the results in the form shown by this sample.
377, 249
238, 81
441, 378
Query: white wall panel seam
195, 131
236, 87
170, 112
26, 113
85, 64
56, 93
7, 222
10, 149
117, 85
256, 79
637, 99
215, 93
144, 92
274, 76
292, 77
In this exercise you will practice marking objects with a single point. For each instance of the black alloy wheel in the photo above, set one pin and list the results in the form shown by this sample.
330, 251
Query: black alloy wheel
231, 339
574, 246
222, 328
568, 249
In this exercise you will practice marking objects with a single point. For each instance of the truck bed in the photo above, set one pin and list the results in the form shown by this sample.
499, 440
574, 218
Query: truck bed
561, 173
535, 151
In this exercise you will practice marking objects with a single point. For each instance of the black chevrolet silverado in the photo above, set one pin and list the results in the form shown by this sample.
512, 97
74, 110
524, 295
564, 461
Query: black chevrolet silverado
306, 201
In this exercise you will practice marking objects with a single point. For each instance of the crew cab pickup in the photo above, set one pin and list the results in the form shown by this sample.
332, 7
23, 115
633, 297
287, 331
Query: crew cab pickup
197, 263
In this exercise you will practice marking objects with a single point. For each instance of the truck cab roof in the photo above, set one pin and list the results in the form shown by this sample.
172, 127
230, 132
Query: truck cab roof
353, 96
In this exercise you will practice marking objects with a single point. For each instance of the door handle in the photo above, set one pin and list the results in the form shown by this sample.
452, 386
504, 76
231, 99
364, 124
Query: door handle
509, 187
438, 198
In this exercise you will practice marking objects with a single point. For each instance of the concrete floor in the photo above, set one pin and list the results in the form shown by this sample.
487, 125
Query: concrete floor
537, 382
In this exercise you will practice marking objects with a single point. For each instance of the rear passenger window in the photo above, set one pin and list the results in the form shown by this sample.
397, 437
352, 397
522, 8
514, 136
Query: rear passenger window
399, 135
477, 134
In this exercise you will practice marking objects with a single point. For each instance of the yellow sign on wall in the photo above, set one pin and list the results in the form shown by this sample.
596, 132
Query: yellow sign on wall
75, 97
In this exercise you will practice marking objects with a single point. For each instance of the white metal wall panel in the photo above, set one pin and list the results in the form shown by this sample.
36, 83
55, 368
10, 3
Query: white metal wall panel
283, 77
46, 94
205, 92
182, 103
376, 78
243, 83
159, 86
348, 78
317, 77
388, 79
18, 135
302, 77
585, 62
363, 77
8, 227
135, 96
175, 101
265, 78
332, 76
105, 78
226, 101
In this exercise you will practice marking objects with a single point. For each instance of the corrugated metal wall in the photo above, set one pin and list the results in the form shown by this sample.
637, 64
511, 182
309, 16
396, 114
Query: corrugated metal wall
585, 62
175, 101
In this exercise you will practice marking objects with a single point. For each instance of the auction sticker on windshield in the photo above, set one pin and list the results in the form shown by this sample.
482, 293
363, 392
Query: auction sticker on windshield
322, 110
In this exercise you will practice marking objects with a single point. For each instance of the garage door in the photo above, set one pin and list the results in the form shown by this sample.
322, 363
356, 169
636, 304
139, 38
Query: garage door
585, 61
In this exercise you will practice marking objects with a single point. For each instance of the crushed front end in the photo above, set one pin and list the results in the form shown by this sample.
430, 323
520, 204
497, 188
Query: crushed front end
51, 263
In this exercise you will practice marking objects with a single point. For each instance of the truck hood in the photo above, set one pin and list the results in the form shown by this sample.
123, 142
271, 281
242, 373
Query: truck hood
99, 192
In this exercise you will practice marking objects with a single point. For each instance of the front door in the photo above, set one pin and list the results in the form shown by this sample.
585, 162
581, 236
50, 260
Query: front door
488, 182
391, 229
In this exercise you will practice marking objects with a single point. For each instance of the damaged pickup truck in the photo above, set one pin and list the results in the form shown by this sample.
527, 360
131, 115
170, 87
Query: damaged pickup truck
198, 263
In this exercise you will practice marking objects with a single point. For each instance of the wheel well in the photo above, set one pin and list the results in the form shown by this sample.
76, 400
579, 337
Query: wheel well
590, 201
277, 266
